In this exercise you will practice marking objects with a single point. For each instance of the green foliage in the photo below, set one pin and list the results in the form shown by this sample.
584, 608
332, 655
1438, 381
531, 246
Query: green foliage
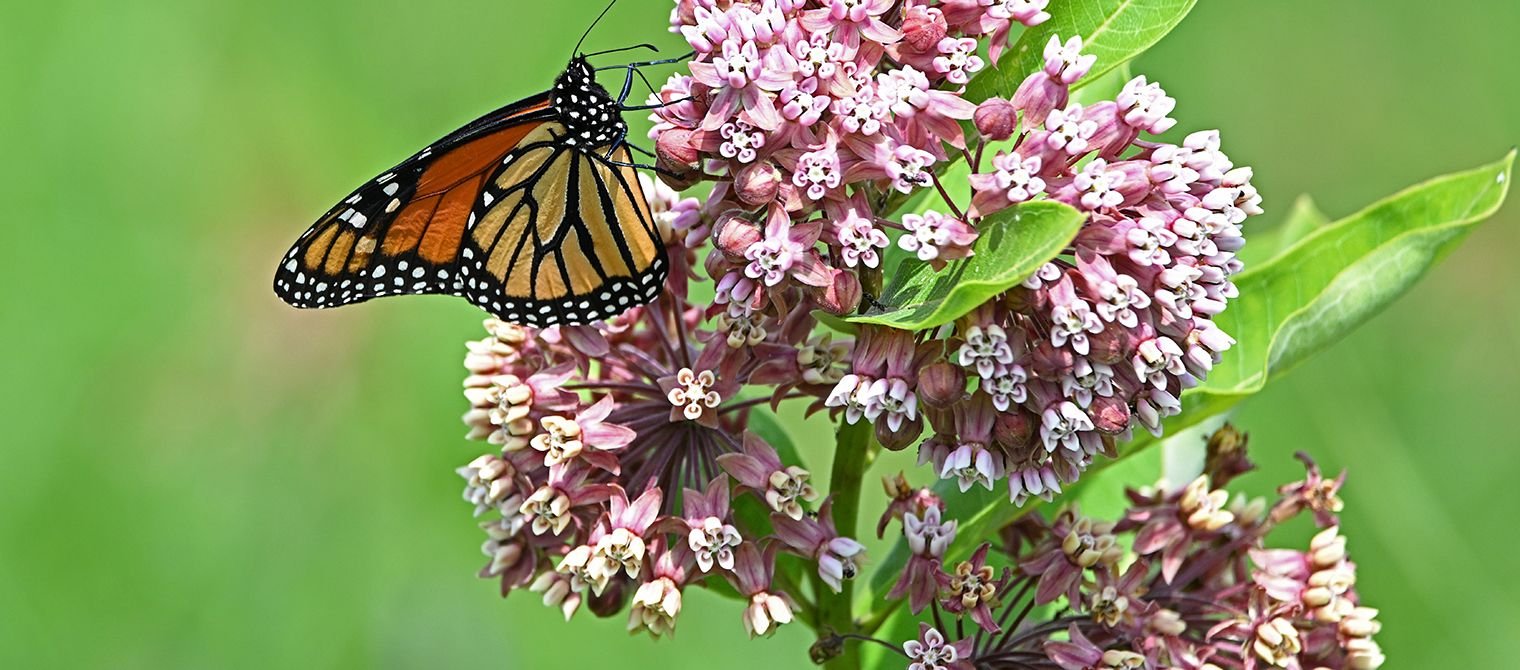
1013, 244
1289, 308
1113, 30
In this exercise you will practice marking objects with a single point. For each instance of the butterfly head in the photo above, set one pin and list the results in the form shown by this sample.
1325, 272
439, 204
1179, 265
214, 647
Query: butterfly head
588, 111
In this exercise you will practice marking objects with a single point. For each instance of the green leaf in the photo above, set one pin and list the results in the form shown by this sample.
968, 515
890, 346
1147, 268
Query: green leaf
1013, 244
1289, 308
1328, 283
1113, 30
1303, 219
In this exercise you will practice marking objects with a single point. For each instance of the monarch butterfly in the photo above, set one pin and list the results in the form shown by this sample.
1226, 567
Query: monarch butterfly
532, 212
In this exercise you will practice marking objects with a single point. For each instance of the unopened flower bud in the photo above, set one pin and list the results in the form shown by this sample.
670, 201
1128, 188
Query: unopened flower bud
1109, 346
1110, 414
941, 384
1038, 96
906, 434
1014, 429
735, 234
757, 184
1327, 548
677, 152
922, 29
996, 119
841, 295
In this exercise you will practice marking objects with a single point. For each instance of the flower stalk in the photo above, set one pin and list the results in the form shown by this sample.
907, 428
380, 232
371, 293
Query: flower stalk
854, 451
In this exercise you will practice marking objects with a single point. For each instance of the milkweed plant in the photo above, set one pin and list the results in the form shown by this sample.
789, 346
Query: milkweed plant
959, 227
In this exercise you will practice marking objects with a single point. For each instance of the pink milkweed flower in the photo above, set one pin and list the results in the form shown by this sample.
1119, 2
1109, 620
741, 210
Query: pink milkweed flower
692, 395
1157, 359
1038, 481
928, 537
1015, 179
851, 226
1068, 130
587, 436
1146, 106
821, 59
803, 102
972, 588
861, 111
740, 141
852, 19
818, 172
759, 469
932, 652
1119, 295
958, 60
743, 78
936, 238
657, 603
551, 508
921, 111
710, 536
1149, 240
1071, 317
815, 538
1066, 61
751, 577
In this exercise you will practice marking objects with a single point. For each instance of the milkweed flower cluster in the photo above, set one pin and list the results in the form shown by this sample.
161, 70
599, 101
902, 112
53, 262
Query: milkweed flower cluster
813, 120
626, 466
1184, 579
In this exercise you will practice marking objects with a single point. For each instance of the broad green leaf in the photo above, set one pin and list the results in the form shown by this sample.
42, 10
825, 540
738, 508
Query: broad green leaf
1113, 30
1320, 288
1013, 244
1289, 308
1303, 219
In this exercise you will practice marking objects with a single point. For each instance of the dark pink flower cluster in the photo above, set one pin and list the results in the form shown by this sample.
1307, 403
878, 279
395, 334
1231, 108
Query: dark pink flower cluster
814, 120
1184, 580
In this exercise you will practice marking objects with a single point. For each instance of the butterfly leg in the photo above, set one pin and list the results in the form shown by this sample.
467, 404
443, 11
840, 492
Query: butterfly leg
664, 61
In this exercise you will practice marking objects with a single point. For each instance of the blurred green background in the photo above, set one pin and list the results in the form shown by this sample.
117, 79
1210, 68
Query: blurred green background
197, 476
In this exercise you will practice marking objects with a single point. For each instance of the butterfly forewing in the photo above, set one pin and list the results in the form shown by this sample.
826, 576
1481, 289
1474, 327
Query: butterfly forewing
518, 212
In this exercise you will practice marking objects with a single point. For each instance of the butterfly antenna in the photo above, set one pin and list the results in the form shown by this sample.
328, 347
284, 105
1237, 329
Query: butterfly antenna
646, 45
590, 27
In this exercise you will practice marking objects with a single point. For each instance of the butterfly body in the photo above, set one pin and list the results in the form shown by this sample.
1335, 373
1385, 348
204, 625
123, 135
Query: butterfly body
531, 212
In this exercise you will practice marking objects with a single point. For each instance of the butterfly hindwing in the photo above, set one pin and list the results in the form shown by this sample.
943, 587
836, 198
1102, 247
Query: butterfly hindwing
563, 236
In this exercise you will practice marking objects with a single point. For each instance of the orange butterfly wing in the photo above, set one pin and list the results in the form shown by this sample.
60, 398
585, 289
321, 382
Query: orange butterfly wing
404, 231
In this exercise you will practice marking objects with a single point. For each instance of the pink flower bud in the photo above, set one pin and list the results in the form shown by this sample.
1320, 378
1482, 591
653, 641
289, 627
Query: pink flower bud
676, 150
1109, 346
1110, 414
841, 295
996, 119
1038, 96
941, 384
906, 433
735, 234
922, 29
758, 184
1113, 134
1014, 429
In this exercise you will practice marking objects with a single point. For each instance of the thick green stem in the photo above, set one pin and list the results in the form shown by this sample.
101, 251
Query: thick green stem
854, 450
